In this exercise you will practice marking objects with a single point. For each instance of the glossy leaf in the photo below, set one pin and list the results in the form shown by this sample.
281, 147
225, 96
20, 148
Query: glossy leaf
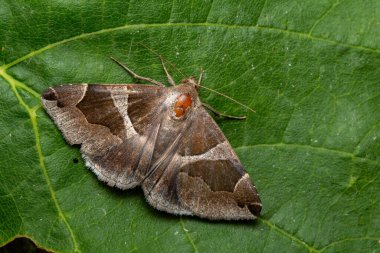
310, 69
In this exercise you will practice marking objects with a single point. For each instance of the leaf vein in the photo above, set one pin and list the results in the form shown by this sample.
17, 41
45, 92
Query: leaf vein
33, 119
365, 136
191, 241
304, 146
287, 234
261, 12
158, 25
327, 12
209, 11
369, 238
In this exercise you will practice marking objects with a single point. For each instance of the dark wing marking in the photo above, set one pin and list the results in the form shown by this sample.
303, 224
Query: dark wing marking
203, 176
116, 126
213, 184
128, 138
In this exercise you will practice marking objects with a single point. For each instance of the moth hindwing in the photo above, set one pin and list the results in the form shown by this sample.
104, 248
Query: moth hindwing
159, 138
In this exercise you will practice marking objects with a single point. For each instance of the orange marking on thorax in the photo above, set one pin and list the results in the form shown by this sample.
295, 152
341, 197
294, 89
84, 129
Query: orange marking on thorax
182, 104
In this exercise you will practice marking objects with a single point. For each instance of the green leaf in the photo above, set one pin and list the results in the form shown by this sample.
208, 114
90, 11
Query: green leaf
310, 69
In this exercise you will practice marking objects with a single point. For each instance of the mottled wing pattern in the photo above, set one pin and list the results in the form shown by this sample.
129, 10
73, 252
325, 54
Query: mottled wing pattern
116, 125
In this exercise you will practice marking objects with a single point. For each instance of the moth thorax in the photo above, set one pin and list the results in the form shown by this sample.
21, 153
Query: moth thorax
182, 104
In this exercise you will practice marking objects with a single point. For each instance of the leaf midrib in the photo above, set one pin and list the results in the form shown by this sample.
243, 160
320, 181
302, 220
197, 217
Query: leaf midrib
33, 119
162, 25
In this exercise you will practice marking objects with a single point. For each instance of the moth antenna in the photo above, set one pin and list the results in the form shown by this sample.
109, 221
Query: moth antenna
170, 78
216, 112
200, 77
230, 98
147, 79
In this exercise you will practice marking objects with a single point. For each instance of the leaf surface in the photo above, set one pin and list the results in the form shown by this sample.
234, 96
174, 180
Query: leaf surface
310, 69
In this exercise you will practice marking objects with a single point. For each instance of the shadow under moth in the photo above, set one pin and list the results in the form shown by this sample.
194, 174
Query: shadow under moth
160, 138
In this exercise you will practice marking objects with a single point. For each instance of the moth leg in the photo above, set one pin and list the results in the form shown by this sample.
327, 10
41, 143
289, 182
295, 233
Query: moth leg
147, 79
170, 79
219, 114
200, 77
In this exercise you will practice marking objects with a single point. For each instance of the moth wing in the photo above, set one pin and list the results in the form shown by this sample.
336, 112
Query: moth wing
204, 177
114, 124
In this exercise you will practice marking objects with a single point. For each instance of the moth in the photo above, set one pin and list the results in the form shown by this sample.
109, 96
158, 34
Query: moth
160, 138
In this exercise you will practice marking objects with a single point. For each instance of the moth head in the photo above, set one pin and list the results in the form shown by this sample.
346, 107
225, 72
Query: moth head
191, 81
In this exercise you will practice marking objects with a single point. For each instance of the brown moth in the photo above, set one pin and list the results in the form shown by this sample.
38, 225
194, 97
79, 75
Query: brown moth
160, 138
